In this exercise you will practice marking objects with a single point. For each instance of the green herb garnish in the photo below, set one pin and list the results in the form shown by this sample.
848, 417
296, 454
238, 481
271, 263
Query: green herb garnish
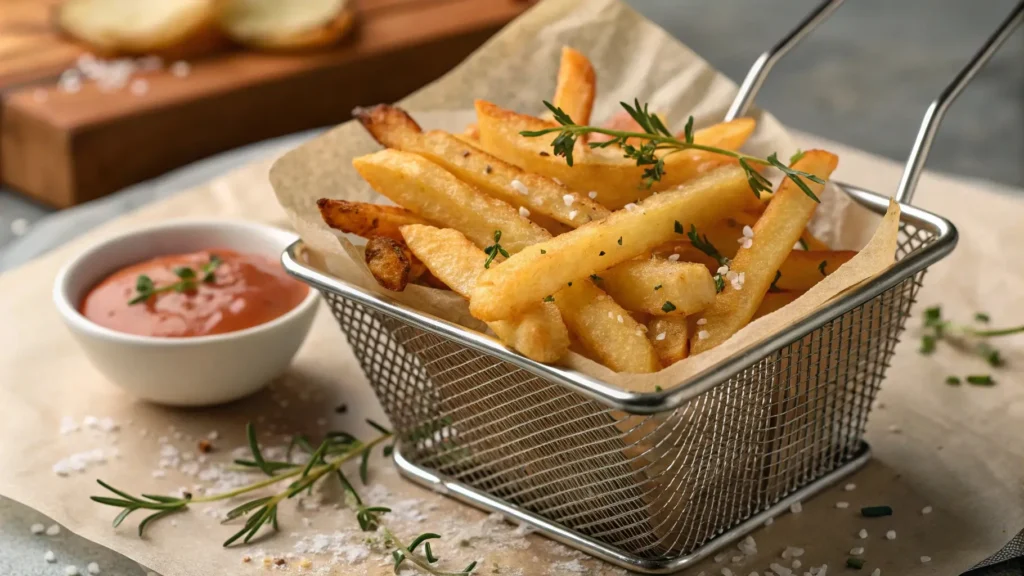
773, 287
668, 306
981, 317
953, 380
803, 244
876, 511
658, 287
493, 250
855, 563
658, 138
596, 278
187, 281
704, 245
821, 267
966, 338
981, 380
550, 298
797, 156
620, 240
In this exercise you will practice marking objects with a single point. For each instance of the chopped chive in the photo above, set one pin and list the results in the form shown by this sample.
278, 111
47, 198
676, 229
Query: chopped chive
927, 344
981, 380
658, 287
620, 240
601, 253
595, 278
719, 283
774, 287
570, 283
855, 563
668, 306
543, 251
678, 227
821, 267
657, 388
803, 244
953, 380
875, 511
982, 317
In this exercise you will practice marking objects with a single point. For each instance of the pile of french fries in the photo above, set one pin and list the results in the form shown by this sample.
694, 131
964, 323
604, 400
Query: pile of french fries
585, 257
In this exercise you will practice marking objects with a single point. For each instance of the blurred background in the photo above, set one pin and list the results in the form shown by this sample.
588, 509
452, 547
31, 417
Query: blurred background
864, 78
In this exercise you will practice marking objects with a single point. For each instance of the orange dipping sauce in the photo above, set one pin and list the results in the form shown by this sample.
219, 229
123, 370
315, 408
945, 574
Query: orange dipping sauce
246, 290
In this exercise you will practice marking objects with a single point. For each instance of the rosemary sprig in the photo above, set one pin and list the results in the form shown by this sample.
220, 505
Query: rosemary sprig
658, 138
324, 461
188, 279
494, 249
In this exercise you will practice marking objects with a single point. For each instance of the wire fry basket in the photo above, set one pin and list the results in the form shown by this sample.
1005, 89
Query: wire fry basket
651, 482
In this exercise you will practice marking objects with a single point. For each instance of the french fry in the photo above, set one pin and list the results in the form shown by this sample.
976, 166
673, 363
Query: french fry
670, 337
659, 287
773, 301
605, 329
538, 334
803, 269
574, 91
620, 121
433, 193
540, 196
365, 219
774, 235
545, 268
812, 242
389, 262
616, 181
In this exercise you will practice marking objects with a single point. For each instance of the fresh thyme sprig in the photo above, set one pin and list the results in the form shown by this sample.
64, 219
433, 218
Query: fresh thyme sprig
704, 245
324, 461
968, 338
188, 279
658, 138
494, 249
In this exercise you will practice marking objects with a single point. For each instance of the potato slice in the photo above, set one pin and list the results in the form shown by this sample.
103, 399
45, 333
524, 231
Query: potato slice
773, 301
774, 235
543, 269
136, 27
365, 219
394, 128
605, 329
616, 181
433, 193
670, 337
389, 262
281, 25
538, 334
803, 269
659, 287
577, 83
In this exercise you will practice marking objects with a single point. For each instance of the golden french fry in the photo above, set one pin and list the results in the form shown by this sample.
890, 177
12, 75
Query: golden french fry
615, 181
660, 287
574, 91
435, 194
670, 337
545, 268
803, 269
389, 262
605, 329
538, 333
773, 301
539, 196
774, 235
365, 219
687, 253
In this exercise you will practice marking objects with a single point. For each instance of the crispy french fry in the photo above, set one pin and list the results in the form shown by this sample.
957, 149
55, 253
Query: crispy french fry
773, 301
774, 235
545, 268
803, 269
615, 180
435, 194
538, 333
659, 287
605, 329
540, 196
574, 91
429, 190
670, 337
687, 253
389, 262
365, 219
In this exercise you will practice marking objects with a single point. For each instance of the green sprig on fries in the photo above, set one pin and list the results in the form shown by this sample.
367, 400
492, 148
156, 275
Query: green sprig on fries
658, 138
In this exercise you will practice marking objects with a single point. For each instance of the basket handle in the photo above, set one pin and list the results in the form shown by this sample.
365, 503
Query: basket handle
933, 115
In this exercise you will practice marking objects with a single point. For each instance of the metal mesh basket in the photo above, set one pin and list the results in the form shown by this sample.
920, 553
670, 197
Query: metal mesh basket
652, 482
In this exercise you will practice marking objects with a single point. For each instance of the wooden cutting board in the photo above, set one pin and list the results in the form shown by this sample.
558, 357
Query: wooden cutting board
64, 149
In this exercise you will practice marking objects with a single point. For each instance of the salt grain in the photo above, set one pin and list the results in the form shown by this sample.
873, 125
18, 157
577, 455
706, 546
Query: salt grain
876, 572
796, 507
703, 335
702, 321
70, 571
894, 429
519, 187
856, 551
863, 534
93, 568
797, 564
592, 194
926, 559
748, 232
619, 318
50, 556
842, 505
630, 207
850, 487
556, 180
726, 572
568, 199
572, 214
890, 535
673, 257
181, 69
719, 558
769, 521
660, 336
524, 212
926, 510
37, 529
53, 530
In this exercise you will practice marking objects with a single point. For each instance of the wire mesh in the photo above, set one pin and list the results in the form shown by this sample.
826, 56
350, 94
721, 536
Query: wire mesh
654, 487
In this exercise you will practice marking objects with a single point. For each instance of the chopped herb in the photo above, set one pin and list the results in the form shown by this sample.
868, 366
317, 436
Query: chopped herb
543, 153
550, 298
465, 154
796, 157
982, 317
187, 277
658, 287
341, 408
601, 253
981, 380
620, 240
705, 246
657, 388
719, 283
855, 563
927, 344
570, 283
953, 380
803, 244
821, 267
596, 278
494, 249
488, 169
543, 251
668, 306
932, 316
678, 228
773, 287
876, 511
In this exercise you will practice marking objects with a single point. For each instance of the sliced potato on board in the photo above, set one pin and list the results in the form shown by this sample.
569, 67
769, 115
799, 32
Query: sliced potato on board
285, 25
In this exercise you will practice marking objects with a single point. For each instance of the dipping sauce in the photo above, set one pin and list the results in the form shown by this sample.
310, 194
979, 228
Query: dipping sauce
226, 291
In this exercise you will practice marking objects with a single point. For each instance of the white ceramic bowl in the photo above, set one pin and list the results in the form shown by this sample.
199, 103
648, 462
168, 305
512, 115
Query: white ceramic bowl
196, 371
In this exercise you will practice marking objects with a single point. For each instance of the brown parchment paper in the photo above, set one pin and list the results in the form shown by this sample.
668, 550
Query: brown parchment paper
957, 448
672, 79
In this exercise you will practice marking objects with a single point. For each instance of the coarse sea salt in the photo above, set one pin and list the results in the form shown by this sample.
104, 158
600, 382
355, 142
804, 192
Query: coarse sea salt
37, 529
53, 530
524, 212
796, 507
890, 535
842, 505
93, 568
519, 187
863, 534
630, 207
926, 510
673, 257
850, 487
572, 214
592, 194
568, 199
660, 336
703, 335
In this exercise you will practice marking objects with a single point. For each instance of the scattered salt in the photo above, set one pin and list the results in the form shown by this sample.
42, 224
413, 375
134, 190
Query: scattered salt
797, 564
660, 336
139, 87
568, 199
890, 535
796, 507
70, 571
93, 568
719, 558
592, 194
524, 212
856, 551
572, 214
630, 207
842, 505
519, 187
53, 530
37, 529
863, 534
850, 487
702, 321
894, 429
926, 559
703, 335
619, 318
876, 572
926, 510
769, 521
50, 556
673, 257
748, 232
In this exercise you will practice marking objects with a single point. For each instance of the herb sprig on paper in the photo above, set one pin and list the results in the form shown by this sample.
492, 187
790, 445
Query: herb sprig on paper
658, 138
324, 461
188, 280
966, 338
